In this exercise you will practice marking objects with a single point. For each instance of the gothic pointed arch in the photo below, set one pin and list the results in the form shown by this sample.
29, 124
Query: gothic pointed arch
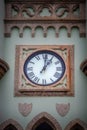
43, 117
4, 67
76, 124
10, 124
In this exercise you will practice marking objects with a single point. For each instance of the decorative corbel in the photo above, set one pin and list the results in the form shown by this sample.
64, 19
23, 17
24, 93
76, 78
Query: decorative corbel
83, 67
3, 68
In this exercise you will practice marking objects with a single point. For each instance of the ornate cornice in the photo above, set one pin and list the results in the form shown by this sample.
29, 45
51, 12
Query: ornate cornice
83, 67
3, 68
22, 14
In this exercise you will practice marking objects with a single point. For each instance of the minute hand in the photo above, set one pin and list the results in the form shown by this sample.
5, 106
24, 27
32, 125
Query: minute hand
45, 59
46, 63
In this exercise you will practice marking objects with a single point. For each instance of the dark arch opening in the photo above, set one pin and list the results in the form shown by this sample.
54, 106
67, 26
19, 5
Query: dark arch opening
10, 127
43, 121
44, 126
77, 127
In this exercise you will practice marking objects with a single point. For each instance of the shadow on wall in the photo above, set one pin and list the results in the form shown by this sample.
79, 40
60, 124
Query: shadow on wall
43, 121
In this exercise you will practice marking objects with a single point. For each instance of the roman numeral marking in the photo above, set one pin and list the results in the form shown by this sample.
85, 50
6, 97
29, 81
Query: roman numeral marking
44, 81
57, 75
30, 68
44, 56
36, 79
57, 62
58, 68
32, 62
31, 75
51, 79
37, 57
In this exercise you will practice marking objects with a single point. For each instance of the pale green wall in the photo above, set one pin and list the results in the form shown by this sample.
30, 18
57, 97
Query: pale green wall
78, 105
1, 27
1, 47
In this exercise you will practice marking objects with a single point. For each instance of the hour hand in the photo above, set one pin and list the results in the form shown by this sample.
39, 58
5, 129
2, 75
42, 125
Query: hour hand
43, 69
49, 61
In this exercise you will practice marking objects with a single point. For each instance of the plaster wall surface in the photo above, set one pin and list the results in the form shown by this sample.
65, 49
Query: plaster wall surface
9, 103
1, 28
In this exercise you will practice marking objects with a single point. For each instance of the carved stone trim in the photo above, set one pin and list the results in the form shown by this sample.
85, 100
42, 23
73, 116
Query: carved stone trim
63, 109
76, 122
3, 68
10, 122
83, 67
25, 108
43, 117
22, 14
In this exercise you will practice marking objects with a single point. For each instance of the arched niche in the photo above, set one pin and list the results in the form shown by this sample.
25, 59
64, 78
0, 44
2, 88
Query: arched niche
83, 67
4, 67
10, 124
76, 124
10, 127
43, 121
38, 30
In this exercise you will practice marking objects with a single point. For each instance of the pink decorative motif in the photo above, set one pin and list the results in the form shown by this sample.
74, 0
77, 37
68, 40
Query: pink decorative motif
25, 108
63, 109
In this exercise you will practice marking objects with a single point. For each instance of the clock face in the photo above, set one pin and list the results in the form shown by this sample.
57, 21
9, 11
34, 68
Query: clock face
44, 68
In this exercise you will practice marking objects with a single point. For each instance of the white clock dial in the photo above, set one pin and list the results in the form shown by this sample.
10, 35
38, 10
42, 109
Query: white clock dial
44, 68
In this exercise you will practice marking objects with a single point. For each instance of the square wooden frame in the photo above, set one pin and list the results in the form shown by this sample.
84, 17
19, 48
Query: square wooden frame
23, 88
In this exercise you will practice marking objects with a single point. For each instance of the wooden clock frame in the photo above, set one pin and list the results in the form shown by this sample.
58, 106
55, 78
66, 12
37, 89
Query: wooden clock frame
23, 87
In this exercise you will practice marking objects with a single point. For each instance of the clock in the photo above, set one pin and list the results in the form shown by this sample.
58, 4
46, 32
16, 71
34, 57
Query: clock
44, 68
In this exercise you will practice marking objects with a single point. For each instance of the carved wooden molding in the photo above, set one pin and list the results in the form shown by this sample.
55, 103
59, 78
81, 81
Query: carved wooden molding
28, 13
43, 117
83, 67
76, 124
10, 124
3, 68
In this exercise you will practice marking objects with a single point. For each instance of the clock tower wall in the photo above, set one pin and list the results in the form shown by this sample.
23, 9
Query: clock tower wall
11, 106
